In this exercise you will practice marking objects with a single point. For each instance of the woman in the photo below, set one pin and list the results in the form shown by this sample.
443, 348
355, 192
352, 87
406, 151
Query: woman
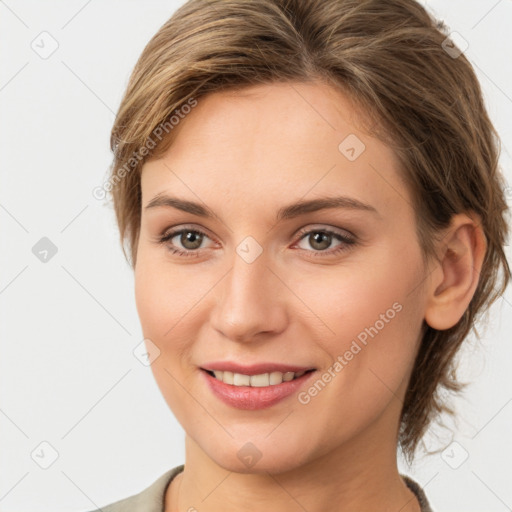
308, 193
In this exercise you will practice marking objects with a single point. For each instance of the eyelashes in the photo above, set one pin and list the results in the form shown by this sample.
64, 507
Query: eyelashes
310, 235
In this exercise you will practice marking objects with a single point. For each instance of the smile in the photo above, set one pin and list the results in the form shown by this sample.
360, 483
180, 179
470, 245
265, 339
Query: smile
254, 392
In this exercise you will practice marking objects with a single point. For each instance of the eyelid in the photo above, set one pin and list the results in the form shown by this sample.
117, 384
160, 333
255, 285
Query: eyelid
345, 233
174, 230
169, 233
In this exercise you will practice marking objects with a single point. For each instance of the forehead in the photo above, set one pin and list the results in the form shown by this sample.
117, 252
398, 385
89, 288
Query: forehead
273, 143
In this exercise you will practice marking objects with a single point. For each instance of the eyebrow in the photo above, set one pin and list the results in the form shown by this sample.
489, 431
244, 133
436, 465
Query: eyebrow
287, 212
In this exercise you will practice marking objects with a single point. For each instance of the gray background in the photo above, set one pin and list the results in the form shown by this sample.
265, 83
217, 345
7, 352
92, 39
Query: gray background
68, 376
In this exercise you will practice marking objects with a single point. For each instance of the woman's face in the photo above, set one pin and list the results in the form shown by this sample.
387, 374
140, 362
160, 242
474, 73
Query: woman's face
261, 282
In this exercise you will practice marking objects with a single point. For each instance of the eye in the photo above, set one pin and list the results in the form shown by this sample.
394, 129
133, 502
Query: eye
190, 240
321, 238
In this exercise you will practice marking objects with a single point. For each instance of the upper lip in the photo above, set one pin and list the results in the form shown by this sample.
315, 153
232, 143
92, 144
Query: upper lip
254, 369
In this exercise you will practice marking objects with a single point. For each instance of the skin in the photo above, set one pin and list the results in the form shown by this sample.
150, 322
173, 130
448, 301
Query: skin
246, 154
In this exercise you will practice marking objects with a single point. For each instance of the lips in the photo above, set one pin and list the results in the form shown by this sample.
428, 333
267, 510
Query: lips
249, 397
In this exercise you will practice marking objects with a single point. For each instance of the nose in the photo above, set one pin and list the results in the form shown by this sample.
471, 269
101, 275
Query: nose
250, 302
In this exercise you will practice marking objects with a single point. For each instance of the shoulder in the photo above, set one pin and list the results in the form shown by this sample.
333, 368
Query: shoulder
151, 499
419, 492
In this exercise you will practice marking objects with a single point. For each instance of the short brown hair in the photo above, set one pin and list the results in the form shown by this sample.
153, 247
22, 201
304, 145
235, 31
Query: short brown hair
390, 58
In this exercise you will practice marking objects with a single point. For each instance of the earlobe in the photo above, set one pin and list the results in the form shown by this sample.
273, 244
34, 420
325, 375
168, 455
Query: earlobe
455, 278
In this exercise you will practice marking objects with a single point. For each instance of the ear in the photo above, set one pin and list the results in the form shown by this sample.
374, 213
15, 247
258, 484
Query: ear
455, 277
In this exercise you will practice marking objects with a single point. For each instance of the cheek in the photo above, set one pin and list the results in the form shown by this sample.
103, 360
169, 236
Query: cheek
162, 305
162, 295
149, 293
376, 323
170, 304
374, 315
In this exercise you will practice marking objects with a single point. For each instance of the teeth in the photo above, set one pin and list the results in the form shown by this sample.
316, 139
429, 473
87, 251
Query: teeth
241, 380
257, 381
227, 377
275, 378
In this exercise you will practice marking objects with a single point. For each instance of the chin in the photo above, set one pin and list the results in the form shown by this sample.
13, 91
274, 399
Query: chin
256, 457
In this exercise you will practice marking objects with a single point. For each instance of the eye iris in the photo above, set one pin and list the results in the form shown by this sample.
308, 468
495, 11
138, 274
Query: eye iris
191, 236
319, 237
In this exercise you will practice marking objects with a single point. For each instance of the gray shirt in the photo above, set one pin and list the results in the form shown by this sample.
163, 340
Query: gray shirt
152, 498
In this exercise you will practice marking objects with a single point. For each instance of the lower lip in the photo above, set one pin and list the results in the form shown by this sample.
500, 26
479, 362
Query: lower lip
254, 398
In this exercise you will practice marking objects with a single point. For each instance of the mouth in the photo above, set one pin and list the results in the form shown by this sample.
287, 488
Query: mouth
258, 390
256, 381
